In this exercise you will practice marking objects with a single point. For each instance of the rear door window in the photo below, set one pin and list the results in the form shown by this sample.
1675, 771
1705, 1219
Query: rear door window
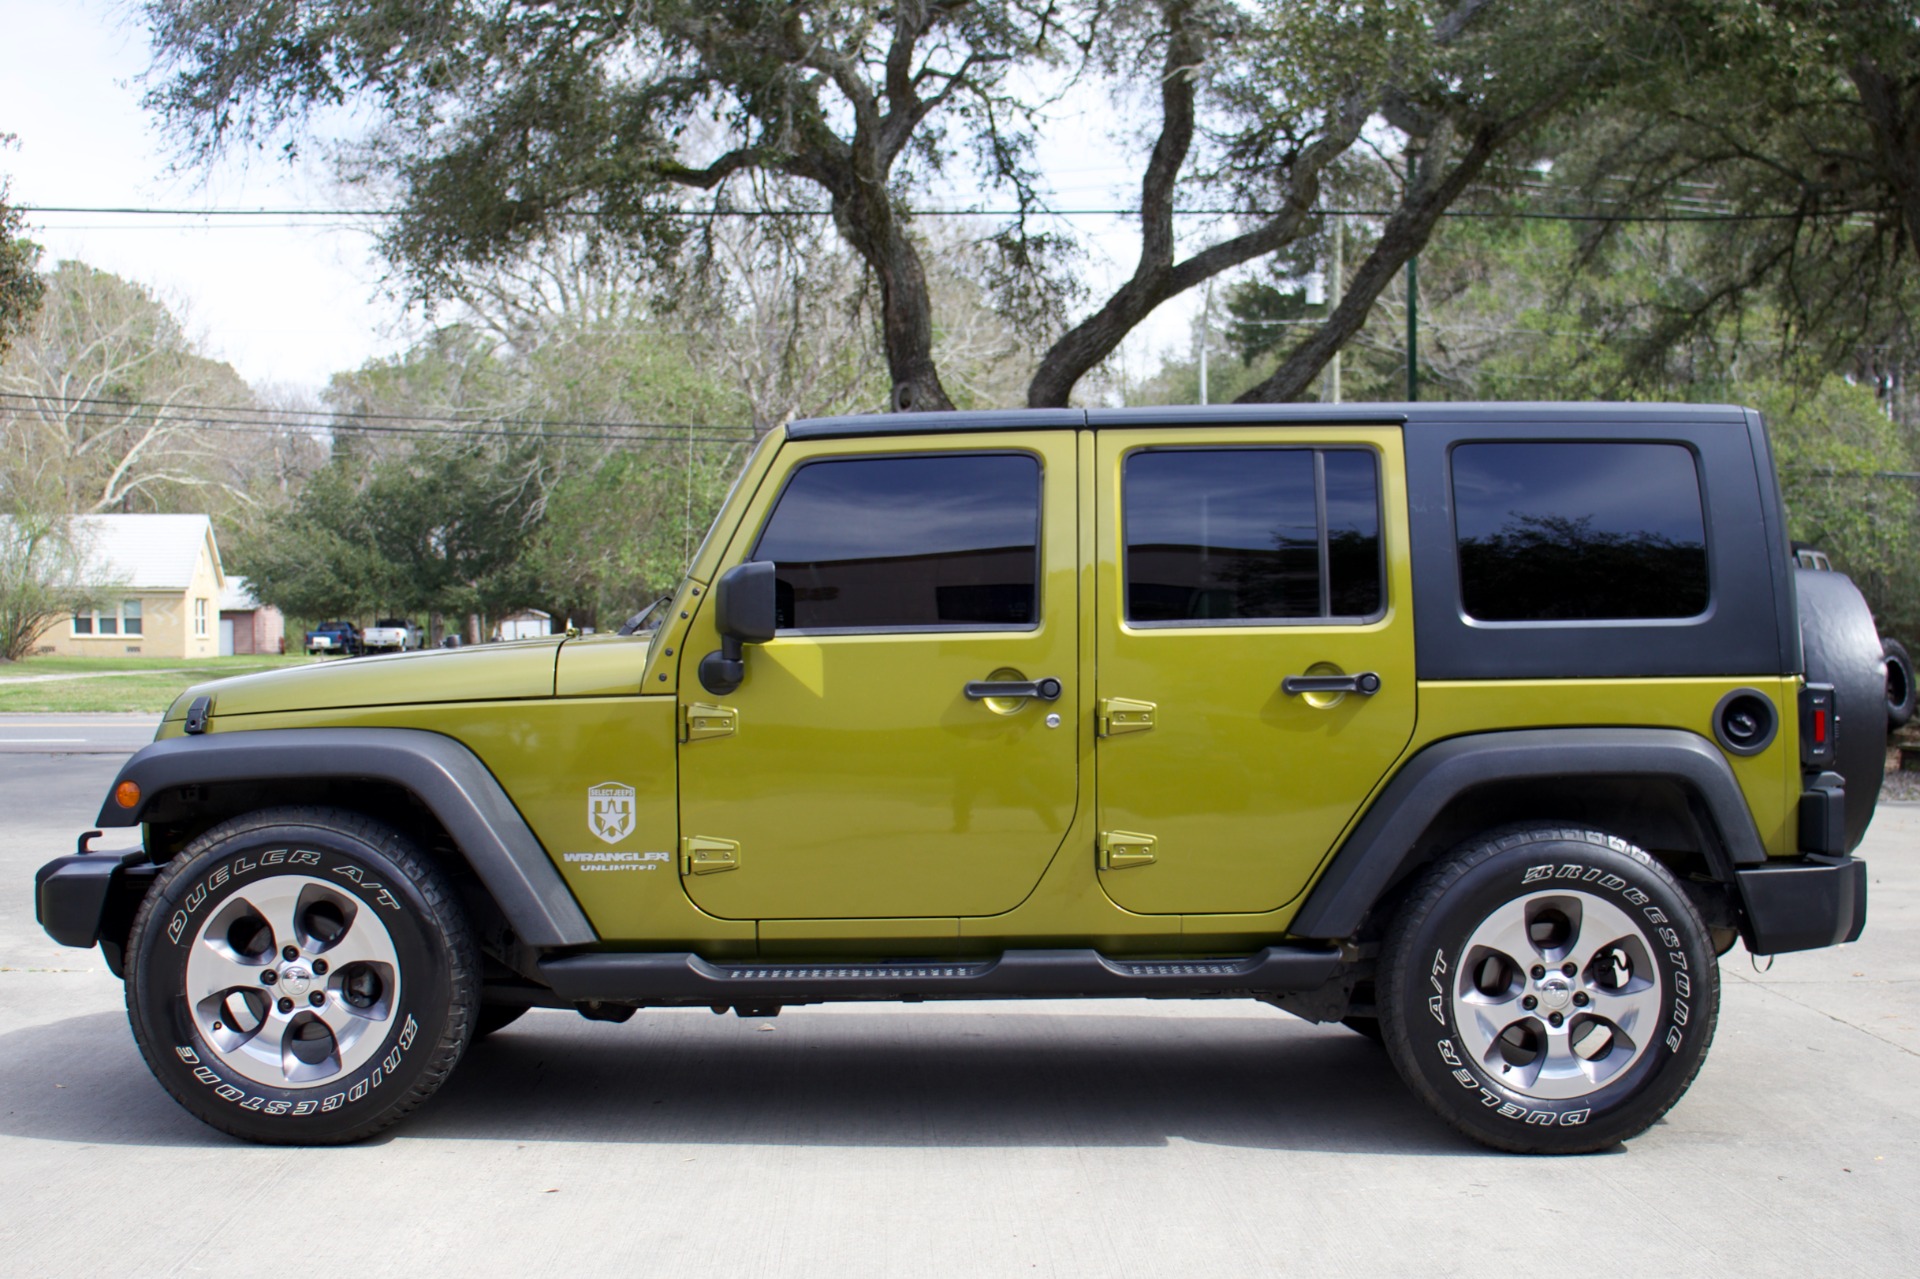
1252, 535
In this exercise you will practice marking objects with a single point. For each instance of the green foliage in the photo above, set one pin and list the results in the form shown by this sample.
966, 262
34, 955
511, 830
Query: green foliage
440, 529
1834, 447
41, 578
1264, 318
502, 124
20, 284
619, 533
1794, 117
524, 464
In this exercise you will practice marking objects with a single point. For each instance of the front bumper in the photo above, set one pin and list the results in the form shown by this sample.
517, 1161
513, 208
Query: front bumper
1803, 904
89, 899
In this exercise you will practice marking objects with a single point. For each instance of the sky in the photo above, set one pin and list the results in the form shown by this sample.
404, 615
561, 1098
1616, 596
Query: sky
289, 304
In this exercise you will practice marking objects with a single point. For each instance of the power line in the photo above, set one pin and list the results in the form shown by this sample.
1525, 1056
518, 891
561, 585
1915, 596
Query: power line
253, 420
705, 215
358, 414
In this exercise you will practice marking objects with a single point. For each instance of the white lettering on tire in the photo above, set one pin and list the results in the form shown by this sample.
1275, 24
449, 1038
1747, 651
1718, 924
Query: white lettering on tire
228, 1092
1668, 937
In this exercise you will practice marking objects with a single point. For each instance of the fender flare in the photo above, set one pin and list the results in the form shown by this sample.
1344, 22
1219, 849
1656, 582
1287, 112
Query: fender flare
440, 772
1384, 846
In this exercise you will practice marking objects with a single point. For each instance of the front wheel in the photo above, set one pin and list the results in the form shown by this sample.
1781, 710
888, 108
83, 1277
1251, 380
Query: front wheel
1549, 991
301, 976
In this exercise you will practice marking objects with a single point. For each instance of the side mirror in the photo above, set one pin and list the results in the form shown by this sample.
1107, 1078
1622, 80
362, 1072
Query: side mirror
743, 612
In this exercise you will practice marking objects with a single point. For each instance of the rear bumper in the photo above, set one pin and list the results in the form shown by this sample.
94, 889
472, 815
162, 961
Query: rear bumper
1802, 904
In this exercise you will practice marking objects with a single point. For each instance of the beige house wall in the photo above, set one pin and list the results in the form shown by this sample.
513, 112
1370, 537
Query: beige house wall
200, 632
167, 626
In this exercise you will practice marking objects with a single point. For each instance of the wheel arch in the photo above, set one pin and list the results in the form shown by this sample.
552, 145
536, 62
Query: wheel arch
427, 784
1663, 789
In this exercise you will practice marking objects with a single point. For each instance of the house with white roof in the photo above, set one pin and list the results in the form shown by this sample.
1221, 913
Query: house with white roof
162, 589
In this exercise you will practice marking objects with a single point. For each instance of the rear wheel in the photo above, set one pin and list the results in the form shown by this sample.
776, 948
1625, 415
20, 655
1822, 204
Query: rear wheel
1549, 991
301, 976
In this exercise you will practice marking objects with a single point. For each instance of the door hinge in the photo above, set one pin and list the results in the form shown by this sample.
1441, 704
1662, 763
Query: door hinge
701, 855
1124, 715
704, 720
1125, 849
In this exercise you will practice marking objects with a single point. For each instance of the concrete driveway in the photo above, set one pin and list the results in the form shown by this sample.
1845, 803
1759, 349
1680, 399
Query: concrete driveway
1126, 1138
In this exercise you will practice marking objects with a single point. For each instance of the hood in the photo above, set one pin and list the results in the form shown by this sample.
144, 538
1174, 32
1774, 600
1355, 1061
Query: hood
484, 672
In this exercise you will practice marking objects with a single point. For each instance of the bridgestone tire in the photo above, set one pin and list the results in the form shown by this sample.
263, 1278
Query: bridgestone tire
1900, 686
325, 1052
1643, 998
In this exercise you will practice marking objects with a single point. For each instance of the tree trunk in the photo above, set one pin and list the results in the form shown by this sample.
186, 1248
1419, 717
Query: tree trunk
1893, 120
1157, 276
869, 222
1431, 190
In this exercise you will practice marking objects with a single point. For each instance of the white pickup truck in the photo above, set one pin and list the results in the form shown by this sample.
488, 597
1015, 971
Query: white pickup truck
392, 635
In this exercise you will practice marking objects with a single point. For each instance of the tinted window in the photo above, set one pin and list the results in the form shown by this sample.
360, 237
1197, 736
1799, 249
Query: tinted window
907, 541
1235, 534
1579, 531
1353, 533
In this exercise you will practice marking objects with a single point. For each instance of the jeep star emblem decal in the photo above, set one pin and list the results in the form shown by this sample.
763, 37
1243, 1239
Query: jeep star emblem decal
610, 811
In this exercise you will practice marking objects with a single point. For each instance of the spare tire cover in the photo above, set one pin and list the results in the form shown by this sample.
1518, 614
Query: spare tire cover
1843, 649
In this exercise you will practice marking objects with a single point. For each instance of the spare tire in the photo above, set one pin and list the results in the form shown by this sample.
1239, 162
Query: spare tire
1900, 689
1842, 648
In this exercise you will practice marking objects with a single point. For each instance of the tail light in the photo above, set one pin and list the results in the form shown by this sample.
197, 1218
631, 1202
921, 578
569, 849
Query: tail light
1817, 725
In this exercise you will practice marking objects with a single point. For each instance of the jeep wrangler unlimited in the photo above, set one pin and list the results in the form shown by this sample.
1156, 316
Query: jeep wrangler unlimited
1483, 729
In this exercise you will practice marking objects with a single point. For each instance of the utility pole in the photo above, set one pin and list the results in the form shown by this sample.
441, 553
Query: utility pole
1206, 332
1336, 289
1413, 327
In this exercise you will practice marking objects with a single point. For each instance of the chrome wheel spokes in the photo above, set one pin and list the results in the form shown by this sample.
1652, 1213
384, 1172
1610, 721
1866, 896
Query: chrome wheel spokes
292, 981
1556, 993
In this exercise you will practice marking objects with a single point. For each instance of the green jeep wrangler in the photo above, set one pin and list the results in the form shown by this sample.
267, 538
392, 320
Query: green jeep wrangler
1482, 729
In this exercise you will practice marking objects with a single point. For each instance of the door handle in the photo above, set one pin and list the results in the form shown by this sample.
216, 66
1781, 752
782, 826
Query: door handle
1365, 683
1047, 690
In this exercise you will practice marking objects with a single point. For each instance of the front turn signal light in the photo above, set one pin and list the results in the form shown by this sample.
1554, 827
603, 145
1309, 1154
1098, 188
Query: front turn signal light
127, 794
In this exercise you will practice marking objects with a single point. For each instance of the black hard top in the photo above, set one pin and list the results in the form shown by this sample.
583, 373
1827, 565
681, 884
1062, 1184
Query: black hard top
1402, 414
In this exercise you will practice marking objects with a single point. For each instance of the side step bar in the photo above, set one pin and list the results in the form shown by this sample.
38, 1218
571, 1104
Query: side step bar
687, 979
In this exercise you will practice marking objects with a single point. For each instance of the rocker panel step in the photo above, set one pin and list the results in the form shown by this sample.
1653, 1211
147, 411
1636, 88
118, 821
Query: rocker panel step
682, 978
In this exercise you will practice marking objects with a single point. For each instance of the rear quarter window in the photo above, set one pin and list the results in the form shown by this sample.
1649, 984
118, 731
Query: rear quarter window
1569, 531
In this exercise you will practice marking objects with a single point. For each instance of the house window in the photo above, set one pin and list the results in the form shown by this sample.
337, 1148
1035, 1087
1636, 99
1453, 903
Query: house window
199, 617
122, 621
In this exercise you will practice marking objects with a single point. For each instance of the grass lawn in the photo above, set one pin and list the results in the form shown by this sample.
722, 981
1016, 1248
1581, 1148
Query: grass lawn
152, 685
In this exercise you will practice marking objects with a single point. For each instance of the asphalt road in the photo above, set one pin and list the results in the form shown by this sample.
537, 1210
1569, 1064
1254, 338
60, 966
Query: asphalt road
1057, 1139
75, 734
